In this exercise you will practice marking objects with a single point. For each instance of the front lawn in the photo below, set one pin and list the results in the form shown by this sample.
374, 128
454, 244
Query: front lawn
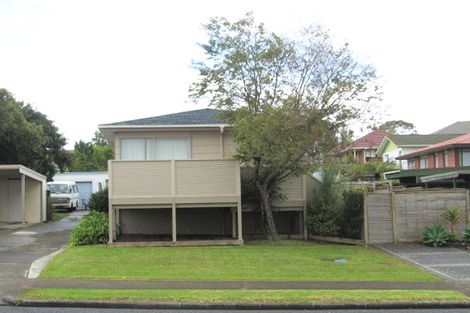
257, 261
246, 296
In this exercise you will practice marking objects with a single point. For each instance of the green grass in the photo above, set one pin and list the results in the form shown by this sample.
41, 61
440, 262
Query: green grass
57, 216
284, 261
246, 296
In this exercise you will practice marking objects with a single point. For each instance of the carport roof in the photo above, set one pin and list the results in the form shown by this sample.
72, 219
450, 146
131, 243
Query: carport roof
21, 169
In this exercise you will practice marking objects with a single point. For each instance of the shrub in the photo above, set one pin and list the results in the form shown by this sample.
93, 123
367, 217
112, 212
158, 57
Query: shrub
466, 234
453, 216
325, 211
435, 235
92, 229
352, 220
99, 201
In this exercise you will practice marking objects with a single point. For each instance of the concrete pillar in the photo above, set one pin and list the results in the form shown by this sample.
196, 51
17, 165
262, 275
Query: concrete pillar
234, 222
173, 221
23, 196
239, 220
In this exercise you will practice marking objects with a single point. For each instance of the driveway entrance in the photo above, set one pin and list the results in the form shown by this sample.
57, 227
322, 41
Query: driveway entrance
20, 247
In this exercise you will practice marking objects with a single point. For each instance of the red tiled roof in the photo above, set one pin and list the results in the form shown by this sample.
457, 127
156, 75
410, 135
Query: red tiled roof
454, 142
371, 140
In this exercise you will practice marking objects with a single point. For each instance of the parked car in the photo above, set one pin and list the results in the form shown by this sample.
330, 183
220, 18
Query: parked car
64, 195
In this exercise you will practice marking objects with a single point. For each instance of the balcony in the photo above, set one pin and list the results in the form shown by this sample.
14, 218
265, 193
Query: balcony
186, 183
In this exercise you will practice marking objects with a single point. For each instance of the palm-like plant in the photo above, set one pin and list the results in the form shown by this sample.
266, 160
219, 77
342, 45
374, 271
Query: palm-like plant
453, 216
435, 235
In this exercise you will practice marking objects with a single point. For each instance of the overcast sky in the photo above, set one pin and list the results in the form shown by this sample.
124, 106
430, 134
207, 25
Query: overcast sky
85, 63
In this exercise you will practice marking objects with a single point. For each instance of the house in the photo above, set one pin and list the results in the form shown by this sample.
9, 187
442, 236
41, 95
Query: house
444, 164
461, 127
87, 183
393, 146
174, 178
22, 195
365, 148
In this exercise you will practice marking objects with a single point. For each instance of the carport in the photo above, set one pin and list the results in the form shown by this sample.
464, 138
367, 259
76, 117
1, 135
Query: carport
22, 195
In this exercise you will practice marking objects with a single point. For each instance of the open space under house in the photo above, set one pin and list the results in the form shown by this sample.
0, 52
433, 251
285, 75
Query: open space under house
174, 179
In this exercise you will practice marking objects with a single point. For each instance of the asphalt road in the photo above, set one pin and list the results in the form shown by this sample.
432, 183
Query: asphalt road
6, 309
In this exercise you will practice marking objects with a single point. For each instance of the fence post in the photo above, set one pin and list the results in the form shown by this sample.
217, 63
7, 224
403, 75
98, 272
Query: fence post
394, 217
366, 220
467, 205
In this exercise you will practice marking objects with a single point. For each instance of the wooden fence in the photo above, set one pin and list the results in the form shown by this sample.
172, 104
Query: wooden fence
391, 217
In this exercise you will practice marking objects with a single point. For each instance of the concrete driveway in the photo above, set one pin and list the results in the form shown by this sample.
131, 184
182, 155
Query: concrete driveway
20, 247
450, 263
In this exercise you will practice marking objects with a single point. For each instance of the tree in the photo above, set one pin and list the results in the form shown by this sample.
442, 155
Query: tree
89, 156
399, 127
99, 140
28, 137
286, 98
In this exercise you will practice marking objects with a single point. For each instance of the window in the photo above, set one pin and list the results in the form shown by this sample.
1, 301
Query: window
411, 164
436, 160
155, 149
465, 157
446, 158
386, 158
423, 162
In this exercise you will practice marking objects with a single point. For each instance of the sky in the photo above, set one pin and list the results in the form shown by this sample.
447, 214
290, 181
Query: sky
84, 63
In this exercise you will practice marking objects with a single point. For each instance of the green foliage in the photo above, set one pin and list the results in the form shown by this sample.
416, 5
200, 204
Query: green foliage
286, 98
367, 171
326, 210
466, 234
88, 156
452, 215
399, 127
99, 201
435, 235
92, 229
28, 137
352, 221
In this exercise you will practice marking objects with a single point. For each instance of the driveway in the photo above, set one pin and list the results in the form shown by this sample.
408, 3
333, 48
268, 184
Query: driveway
20, 247
450, 263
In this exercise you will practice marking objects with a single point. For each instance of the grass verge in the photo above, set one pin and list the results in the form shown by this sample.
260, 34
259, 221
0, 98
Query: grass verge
257, 261
57, 216
246, 296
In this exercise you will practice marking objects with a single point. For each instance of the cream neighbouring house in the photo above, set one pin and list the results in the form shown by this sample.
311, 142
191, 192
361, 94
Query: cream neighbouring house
174, 178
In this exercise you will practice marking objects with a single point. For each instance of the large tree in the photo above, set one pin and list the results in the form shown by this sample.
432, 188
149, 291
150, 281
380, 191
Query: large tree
28, 137
399, 127
287, 98
91, 156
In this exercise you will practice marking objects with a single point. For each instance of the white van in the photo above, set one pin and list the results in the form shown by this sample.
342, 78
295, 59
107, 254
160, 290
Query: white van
64, 195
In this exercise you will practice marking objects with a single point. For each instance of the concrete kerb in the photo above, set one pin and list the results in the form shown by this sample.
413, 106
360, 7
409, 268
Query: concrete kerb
235, 306
38, 265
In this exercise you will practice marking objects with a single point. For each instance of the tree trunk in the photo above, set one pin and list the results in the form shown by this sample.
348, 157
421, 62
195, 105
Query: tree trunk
267, 213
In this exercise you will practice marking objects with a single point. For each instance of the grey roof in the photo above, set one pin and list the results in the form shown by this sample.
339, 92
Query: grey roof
195, 117
461, 127
420, 140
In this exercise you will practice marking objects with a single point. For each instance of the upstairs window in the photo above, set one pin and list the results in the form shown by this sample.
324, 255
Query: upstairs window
411, 164
465, 157
155, 149
423, 162
446, 158
436, 160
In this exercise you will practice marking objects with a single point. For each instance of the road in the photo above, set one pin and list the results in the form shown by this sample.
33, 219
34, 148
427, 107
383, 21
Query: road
5, 309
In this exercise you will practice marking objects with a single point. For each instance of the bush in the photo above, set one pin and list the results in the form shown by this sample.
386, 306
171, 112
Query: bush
466, 234
99, 201
325, 212
352, 220
92, 229
453, 216
435, 235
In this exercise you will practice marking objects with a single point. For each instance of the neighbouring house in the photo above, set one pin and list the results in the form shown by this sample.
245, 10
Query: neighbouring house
444, 164
174, 178
393, 146
461, 127
22, 195
365, 148
87, 183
